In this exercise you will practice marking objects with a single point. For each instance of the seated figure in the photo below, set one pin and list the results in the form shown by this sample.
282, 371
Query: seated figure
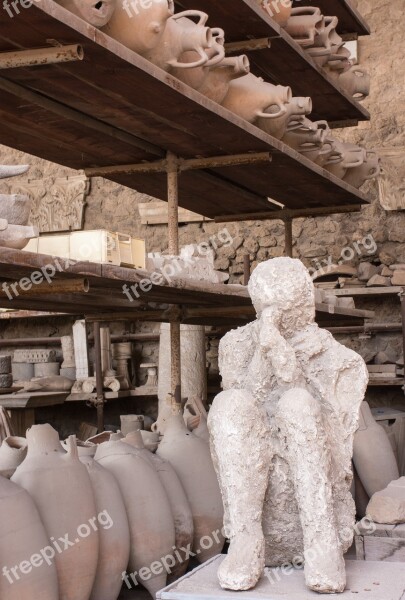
282, 435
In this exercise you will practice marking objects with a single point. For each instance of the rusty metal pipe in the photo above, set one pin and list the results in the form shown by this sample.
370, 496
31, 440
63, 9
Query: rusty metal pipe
41, 56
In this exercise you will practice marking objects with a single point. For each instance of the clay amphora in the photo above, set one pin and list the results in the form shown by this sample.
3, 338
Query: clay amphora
277, 127
353, 156
307, 138
95, 13
304, 24
196, 417
213, 81
339, 62
139, 28
191, 459
113, 528
356, 81
373, 455
150, 440
179, 504
12, 453
277, 10
61, 489
252, 98
182, 35
370, 169
327, 154
148, 509
23, 541
6, 429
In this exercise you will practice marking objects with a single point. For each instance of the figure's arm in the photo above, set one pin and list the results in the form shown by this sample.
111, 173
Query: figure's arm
277, 350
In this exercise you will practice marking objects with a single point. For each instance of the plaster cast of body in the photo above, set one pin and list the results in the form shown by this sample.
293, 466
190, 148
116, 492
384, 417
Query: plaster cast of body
282, 435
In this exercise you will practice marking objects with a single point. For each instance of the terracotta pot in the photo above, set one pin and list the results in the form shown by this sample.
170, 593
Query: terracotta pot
61, 489
97, 14
180, 506
213, 81
196, 416
339, 62
307, 138
22, 537
150, 440
148, 509
356, 81
327, 154
353, 156
370, 169
277, 10
191, 459
295, 108
182, 35
139, 28
113, 531
252, 98
304, 24
373, 456
12, 453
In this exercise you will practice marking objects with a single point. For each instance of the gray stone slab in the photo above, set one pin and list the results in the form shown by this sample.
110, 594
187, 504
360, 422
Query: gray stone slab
365, 581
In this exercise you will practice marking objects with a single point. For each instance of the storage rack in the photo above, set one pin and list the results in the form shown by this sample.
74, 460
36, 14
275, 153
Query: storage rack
116, 115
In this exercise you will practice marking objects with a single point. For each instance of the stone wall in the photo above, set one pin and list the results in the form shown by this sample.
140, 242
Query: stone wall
112, 206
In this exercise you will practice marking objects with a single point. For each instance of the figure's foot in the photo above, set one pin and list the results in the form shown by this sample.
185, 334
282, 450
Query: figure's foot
327, 573
244, 564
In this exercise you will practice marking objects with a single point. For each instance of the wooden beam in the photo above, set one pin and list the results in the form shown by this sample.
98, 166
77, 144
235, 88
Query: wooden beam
13, 290
289, 213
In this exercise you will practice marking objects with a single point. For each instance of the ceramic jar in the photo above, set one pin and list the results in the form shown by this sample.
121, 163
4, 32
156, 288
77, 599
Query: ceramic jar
97, 14
114, 537
138, 28
353, 157
6, 428
182, 35
252, 98
61, 489
213, 81
22, 538
370, 169
148, 509
291, 120
179, 504
278, 10
373, 456
12, 453
307, 138
191, 459
304, 25
356, 82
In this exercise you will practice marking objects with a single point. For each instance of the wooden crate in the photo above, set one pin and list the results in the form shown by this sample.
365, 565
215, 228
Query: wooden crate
386, 543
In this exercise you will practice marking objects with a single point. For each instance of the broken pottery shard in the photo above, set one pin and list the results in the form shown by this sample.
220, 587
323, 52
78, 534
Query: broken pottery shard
17, 236
15, 208
12, 170
282, 435
388, 506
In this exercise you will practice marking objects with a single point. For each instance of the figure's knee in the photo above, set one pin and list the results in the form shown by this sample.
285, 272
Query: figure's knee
232, 402
237, 412
298, 407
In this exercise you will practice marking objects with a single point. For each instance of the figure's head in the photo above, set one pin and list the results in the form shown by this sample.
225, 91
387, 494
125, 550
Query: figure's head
284, 286
95, 12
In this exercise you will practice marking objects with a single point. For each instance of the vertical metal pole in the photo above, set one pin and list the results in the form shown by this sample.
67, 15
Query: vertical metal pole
173, 233
288, 247
99, 377
246, 269
402, 298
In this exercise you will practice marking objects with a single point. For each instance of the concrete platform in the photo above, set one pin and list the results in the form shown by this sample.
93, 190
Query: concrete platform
366, 581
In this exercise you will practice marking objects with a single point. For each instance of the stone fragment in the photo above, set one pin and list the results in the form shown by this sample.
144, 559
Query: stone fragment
387, 357
398, 278
388, 506
347, 303
6, 380
5, 363
49, 369
398, 267
386, 272
366, 270
22, 371
39, 355
378, 281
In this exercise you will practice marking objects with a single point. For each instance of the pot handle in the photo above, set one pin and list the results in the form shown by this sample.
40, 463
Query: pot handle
202, 16
263, 115
218, 36
198, 63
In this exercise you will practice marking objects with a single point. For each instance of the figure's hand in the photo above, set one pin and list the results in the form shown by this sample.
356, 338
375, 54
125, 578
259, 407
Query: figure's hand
277, 350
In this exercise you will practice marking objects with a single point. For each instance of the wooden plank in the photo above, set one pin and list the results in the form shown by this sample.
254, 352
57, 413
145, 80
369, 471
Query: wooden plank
32, 399
155, 213
186, 123
383, 291
386, 382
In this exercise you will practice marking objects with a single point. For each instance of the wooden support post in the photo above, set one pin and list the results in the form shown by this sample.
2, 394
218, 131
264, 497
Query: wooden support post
99, 377
402, 297
246, 269
173, 234
288, 247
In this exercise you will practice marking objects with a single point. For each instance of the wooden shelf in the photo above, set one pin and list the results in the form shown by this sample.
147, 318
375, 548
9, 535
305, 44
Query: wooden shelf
116, 108
285, 62
32, 400
388, 382
367, 291
202, 302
